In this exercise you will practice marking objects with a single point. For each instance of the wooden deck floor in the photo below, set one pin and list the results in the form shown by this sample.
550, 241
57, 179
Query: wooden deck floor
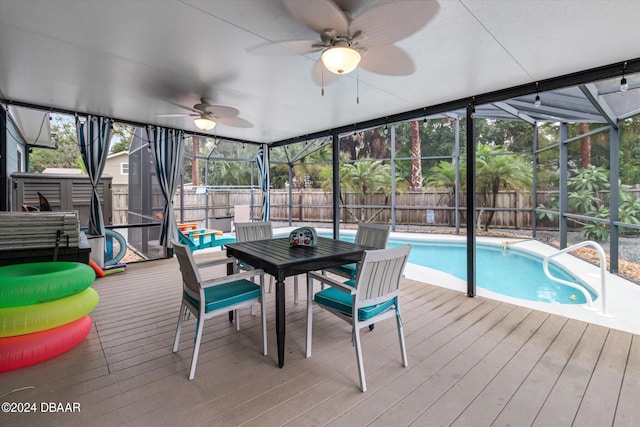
472, 362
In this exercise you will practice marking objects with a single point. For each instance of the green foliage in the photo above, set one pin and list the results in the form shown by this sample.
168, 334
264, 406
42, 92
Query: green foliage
222, 172
598, 231
67, 155
586, 190
629, 210
545, 216
64, 156
506, 135
591, 179
496, 171
583, 201
121, 137
80, 165
366, 177
630, 150
313, 170
443, 175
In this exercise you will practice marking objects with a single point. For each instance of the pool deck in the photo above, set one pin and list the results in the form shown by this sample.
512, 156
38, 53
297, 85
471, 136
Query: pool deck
472, 362
622, 296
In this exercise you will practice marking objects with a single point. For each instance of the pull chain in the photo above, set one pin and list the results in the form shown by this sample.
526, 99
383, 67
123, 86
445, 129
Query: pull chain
357, 86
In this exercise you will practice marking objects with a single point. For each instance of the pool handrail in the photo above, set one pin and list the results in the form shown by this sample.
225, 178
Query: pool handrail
603, 274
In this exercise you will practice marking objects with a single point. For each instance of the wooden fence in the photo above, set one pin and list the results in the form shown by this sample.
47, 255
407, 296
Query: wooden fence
412, 208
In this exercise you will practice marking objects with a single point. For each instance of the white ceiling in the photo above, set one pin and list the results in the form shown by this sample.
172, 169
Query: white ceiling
133, 60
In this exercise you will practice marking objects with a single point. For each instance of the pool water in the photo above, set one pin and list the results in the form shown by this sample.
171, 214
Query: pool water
510, 272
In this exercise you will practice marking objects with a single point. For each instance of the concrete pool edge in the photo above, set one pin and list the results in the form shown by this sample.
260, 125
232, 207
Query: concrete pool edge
623, 296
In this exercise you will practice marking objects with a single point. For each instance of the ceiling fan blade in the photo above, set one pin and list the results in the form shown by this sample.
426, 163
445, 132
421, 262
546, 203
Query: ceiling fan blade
319, 15
285, 47
388, 60
389, 22
184, 107
219, 111
173, 115
318, 73
235, 122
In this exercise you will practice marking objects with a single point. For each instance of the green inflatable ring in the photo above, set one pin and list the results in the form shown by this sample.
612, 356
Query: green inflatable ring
26, 284
38, 317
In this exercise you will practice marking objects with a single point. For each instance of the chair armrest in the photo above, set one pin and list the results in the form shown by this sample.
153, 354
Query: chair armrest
216, 262
331, 282
231, 278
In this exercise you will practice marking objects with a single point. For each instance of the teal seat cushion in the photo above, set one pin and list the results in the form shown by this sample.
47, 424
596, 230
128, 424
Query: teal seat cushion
341, 301
347, 270
227, 294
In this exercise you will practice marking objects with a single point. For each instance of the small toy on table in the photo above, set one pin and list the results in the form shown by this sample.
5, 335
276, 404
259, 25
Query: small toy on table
304, 236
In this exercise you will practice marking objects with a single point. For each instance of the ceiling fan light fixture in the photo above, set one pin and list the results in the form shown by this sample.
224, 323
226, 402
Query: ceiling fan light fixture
341, 59
204, 123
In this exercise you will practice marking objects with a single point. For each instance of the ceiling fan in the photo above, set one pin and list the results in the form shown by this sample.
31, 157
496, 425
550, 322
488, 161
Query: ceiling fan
208, 115
366, 40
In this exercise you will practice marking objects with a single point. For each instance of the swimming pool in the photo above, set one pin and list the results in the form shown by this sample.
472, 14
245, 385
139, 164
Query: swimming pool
508, 271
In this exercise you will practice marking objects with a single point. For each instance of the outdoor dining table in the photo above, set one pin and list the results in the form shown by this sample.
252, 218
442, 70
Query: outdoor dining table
279, 259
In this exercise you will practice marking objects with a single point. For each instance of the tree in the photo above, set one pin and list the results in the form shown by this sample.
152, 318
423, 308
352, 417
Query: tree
510, 136
416, 164
66, 153
630, 151
443, 175
121, 137
496, 171
223, 172
585, 146
363, 178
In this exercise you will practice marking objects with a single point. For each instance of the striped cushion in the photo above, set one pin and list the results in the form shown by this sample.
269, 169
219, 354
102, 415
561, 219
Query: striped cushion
341, 301
227, 294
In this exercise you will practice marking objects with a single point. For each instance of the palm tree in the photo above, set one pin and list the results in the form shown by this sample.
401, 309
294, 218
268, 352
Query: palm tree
230, 173
363, 178
443, 175
495, 171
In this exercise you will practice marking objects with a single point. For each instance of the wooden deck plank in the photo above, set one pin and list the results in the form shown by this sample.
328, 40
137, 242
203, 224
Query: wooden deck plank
562, 404
425, 358
628, 411
471, 361
487, 404
482, 358
523, 406
598, 406
338, 338
383, 353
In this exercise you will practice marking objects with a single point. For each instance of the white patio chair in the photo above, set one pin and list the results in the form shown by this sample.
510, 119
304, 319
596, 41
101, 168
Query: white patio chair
212, 297
241, 213
260, 230
373, 299
372, 235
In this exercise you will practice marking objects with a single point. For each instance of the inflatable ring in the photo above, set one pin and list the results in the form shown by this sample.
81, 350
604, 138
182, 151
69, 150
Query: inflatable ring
24, 350
26, 284
121, 242
38, 317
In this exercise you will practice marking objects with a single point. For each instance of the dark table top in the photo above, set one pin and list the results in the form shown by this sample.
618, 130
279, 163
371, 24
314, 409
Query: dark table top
281, 260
